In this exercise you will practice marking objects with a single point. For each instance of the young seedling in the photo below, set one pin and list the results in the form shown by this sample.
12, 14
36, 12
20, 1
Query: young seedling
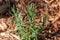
27, 32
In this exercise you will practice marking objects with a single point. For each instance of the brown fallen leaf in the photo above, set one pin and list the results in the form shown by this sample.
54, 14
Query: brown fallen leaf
3, 25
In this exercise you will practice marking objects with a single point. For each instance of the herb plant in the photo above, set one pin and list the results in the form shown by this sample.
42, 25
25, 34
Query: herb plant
27, 32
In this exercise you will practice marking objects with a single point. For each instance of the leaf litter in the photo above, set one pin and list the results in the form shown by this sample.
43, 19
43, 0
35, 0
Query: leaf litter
51, 8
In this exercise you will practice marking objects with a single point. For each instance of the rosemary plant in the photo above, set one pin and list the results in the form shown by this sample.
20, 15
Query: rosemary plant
27, 32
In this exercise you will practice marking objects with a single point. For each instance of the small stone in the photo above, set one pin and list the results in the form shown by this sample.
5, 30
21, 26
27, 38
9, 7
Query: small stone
49, 31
